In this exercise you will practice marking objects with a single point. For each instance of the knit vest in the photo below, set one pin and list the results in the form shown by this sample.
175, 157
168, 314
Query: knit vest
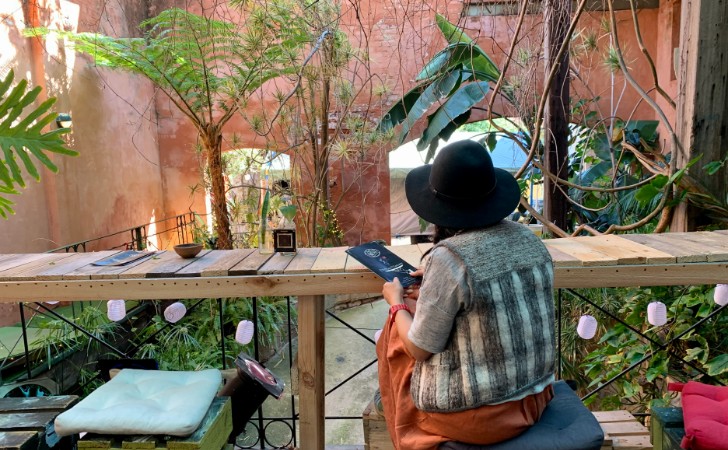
502, 344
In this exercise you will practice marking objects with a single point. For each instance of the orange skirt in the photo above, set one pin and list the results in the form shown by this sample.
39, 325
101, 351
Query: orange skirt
412, 429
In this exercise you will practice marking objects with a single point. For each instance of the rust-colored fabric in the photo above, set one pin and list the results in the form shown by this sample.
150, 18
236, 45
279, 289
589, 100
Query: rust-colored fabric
412, 429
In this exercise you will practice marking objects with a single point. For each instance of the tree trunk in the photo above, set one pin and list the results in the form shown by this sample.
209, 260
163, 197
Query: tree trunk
557, 17
702, 106
212, 144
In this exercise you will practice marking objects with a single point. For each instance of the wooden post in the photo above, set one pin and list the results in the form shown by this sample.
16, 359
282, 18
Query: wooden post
557, 18
311, 337
702, 103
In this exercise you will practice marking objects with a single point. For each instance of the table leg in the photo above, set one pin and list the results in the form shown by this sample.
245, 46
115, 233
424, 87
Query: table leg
311, 337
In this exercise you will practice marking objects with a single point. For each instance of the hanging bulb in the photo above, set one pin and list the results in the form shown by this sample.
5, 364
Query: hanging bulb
174, 312
721, 294
657, 314
244, 332
116, 310
587, 327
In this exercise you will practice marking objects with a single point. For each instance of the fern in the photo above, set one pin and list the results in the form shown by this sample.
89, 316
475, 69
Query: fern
22, 136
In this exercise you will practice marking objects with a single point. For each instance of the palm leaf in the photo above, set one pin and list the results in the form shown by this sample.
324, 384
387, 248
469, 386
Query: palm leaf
23, 137
461, 101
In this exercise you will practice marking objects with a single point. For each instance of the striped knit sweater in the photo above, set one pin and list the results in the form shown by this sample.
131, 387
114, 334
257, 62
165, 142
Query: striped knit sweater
502, 345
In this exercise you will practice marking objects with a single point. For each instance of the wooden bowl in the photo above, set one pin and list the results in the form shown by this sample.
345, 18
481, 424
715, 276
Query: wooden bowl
188, 250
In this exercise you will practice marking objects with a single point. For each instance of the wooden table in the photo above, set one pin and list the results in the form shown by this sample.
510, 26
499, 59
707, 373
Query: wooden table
23, 422
601, 261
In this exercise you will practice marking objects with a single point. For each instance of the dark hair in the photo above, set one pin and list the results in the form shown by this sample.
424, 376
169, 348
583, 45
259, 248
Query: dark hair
442, 233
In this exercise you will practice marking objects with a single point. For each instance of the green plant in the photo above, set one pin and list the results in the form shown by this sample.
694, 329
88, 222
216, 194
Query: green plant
618, 347
207, 68
23, 137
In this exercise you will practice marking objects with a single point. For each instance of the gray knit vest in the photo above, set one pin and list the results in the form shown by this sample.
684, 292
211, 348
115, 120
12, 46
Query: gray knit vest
503, 342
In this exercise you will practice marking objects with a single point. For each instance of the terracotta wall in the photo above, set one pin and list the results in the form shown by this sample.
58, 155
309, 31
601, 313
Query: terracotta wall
138, 159
115, 181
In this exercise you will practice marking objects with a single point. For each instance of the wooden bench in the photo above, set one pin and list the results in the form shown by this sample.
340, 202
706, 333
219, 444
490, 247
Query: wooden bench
621, 431
25, 422
212, 434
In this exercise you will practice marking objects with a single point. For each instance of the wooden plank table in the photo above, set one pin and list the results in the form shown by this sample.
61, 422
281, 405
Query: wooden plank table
581, 262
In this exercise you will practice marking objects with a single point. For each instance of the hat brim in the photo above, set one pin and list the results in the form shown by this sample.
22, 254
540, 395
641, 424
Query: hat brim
472, 214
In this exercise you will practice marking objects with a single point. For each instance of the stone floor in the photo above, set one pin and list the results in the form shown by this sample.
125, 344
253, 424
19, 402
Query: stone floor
346, 353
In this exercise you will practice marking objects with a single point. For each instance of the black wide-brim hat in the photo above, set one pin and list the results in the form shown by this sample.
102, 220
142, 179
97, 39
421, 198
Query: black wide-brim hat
461, 188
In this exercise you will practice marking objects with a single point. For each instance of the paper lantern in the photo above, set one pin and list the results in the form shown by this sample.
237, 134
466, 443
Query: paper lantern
657, 314
174, 312
587, 327
244, 332
721, 294
52, 302
116, 310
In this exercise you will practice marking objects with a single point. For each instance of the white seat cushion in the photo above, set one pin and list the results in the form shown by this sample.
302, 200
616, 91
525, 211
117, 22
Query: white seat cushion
144, 402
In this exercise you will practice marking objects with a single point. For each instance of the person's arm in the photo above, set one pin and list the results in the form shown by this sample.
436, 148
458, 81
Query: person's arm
394, 295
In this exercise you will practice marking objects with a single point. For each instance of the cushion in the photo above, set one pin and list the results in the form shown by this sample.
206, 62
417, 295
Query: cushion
705, 415
144, 402
566, 424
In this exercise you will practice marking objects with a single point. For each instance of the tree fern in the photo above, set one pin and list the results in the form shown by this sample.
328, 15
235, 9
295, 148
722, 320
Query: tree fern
22, 137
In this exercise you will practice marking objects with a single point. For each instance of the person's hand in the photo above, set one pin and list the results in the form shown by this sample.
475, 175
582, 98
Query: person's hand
393, 292
412, 291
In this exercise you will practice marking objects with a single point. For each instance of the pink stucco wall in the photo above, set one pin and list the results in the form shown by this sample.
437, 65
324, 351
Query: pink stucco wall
115, 181
138, 158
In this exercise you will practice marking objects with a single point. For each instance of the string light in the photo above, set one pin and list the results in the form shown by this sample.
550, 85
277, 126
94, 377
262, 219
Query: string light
174, 312
116, 310
721, 294
244, 332
587, 327
657, 314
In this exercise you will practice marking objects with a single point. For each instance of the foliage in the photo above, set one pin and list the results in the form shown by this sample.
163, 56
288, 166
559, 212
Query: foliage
618, 347
190, 344
456, 79
207, 68
23, 137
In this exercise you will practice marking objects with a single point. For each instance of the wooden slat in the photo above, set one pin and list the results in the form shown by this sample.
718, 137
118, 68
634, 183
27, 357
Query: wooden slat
69, 265
251, 264
162, 265
101, 272
560, 258
19, 440
627, 428
20, 260
712, 253
722, 231
215, 263
682, 253
330, 259
28, 271
302, 263
410, 253
579, 249
26, 404
613, 416
26, 421
637, 442
276, 264
629, 252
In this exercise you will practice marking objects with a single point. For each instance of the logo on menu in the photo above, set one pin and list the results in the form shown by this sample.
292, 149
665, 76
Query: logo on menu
372, 252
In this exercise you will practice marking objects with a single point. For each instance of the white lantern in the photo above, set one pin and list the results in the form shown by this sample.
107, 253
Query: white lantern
174, 312
52, 302
587, 327
116, 310
657, 314
244, 332
721, 294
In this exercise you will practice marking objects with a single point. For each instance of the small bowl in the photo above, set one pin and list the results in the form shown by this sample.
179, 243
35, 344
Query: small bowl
188, 250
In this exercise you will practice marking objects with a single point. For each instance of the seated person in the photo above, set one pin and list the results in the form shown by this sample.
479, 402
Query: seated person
476, 363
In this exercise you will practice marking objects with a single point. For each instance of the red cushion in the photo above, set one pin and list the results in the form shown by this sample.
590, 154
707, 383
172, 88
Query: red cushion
705, 414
